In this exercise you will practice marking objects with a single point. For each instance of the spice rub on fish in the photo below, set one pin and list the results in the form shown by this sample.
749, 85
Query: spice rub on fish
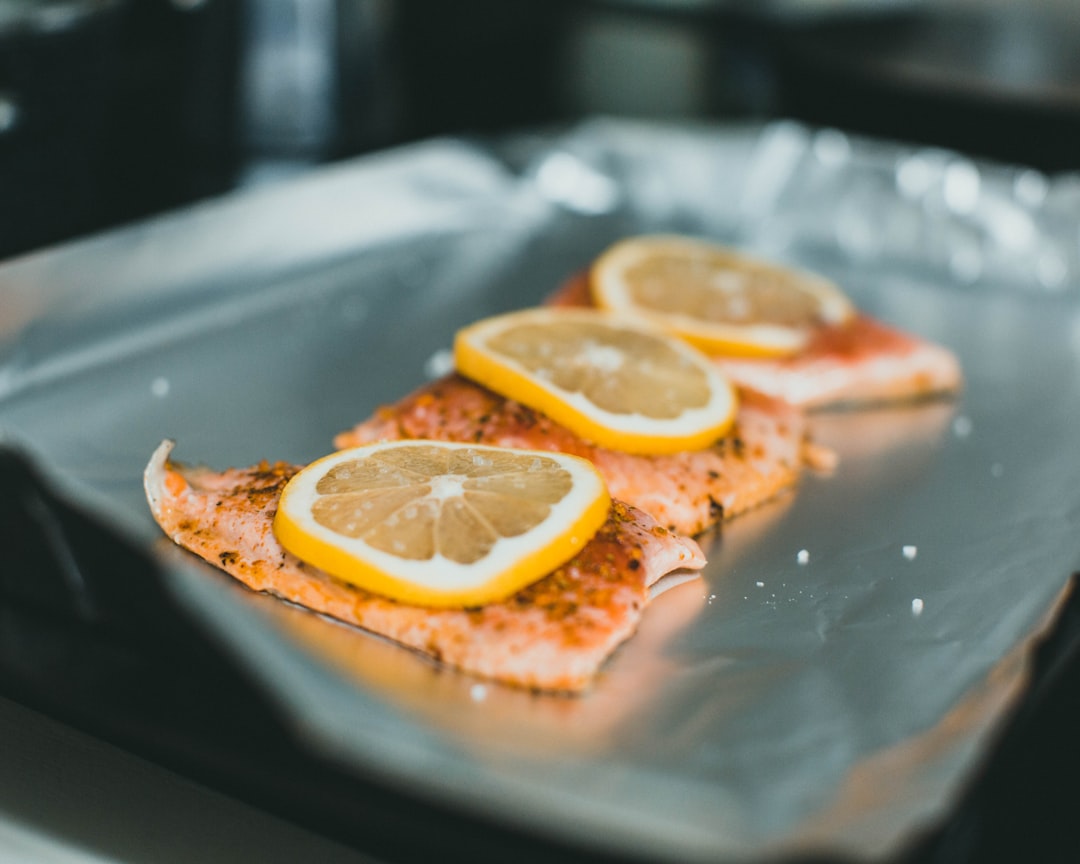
862, 361
555, 634
687, 492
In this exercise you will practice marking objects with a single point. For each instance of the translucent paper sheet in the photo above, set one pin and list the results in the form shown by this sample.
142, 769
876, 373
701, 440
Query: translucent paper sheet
834, 677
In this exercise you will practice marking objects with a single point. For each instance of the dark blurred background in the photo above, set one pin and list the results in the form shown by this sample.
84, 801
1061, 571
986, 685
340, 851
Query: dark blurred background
112, 110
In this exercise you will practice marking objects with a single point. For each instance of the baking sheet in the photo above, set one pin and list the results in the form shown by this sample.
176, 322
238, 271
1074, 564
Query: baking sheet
831, 681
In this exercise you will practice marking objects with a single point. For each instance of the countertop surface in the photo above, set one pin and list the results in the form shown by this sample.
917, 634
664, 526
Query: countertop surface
69, 798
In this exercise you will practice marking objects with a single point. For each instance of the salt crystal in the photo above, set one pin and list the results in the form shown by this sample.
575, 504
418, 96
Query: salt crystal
917, 606
160, 387
438, 364
760, 584
803, 557
910, 552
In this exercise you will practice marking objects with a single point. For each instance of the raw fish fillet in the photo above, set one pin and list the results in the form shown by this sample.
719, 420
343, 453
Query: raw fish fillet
862, 362
687, 492
553, 635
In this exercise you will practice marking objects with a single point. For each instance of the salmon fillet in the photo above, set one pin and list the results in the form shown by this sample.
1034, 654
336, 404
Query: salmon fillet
862, 362
552, 635
687, 492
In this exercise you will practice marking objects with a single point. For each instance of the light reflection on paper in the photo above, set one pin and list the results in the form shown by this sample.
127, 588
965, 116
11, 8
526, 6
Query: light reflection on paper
976, 223
504, 718
567, 180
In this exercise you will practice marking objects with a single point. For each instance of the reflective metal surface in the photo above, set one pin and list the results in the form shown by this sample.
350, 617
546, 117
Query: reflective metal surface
836, 674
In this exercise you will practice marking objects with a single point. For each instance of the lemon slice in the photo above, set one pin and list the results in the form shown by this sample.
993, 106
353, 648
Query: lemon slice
720, 300
617, 382
441, 524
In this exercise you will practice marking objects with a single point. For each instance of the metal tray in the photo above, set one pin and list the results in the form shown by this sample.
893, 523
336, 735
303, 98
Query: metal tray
833, 681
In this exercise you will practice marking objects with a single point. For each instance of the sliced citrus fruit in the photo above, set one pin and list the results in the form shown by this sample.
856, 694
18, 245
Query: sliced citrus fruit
720, 300
618, 382
438, 523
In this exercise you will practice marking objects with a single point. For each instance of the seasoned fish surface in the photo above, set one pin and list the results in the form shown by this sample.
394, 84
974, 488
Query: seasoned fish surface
686, 492
553, 635
862, 362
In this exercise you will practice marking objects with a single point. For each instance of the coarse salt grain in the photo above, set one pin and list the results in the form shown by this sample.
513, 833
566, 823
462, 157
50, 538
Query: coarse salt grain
910, 552
917, 606
438, 364
962, 426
